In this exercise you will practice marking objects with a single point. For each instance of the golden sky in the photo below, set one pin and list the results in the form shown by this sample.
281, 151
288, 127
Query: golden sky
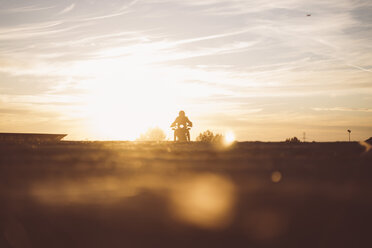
261, 69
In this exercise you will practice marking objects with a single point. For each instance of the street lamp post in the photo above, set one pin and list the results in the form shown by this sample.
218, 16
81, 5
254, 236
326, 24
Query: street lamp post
349, 131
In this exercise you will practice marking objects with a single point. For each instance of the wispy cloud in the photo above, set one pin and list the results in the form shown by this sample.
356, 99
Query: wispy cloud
25, 9
29, 27
344, 109
238, 7
124, 9
67, 9
210, 37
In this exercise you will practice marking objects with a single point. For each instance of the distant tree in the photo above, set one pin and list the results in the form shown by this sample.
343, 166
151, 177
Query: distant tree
209, 137
153, 134
293, 140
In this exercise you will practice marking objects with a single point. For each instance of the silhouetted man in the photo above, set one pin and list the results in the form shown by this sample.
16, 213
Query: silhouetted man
182, 120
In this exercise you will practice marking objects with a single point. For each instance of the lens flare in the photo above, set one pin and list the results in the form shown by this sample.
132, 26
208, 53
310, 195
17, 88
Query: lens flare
276, 177
205, 201
229, 138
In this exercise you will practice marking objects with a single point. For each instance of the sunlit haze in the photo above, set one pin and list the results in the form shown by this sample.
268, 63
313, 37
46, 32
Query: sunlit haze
254, 70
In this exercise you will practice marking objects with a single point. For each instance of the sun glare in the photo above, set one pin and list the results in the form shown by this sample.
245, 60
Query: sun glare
229, 138
128, 95
122, 111
125, 100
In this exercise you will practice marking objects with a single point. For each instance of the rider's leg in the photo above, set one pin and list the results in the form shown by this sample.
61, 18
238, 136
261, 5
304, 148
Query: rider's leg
188, 135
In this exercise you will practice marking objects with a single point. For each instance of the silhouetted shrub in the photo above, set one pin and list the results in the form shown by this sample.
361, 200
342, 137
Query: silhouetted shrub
209, 137
153, 134
293, 140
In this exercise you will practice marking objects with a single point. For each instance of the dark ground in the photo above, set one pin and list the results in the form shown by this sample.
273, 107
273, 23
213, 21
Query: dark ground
124, 194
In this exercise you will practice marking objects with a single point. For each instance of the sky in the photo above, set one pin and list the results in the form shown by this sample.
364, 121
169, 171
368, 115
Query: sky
264, 70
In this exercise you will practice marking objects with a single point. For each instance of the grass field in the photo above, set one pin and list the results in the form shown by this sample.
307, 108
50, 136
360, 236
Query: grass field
127, 194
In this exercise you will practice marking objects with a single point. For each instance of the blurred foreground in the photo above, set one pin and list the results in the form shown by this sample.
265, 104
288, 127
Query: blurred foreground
127, 194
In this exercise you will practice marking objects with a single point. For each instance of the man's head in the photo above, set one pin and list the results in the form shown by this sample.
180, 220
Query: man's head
181, 113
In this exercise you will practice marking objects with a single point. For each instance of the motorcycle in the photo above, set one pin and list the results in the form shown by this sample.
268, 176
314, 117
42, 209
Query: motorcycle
181, 133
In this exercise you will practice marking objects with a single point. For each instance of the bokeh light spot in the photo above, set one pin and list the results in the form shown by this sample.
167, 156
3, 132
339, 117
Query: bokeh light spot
205, 200
276, 177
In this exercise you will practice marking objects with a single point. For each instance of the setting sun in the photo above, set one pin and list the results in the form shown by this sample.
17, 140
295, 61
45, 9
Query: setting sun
126, 105
127, 98
229, 138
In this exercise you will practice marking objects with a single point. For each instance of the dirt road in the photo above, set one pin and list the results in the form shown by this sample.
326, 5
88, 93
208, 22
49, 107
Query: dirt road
125, 194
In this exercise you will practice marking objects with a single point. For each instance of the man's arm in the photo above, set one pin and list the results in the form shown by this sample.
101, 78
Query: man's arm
188, 122
174, 123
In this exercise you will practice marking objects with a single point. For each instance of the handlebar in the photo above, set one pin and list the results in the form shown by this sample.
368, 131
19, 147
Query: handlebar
177, 127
